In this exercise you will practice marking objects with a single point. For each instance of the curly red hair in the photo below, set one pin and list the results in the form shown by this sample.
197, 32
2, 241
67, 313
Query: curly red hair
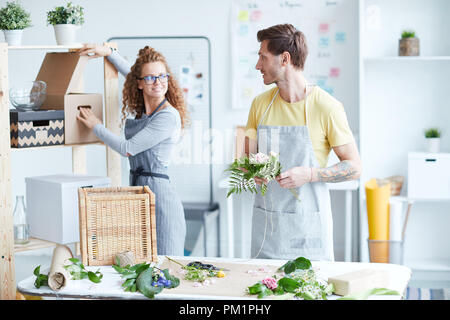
132, 96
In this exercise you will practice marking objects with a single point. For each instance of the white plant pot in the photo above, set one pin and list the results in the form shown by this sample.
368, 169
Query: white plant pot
13, 37
433, 145
66, 34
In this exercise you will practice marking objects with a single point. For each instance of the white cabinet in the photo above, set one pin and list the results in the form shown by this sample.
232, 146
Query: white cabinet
429, 176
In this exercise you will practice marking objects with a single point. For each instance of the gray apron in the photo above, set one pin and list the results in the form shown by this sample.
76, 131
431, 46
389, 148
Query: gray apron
283, 227
146, 169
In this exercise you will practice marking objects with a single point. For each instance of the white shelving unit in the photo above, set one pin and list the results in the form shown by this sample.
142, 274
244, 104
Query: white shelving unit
399, 98
7, 247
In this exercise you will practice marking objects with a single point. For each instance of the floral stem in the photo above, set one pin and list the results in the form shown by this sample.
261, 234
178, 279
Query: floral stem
295, 194
174, 261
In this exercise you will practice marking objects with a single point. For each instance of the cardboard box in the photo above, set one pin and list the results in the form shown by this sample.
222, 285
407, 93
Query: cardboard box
63, 73
52, 205
36, 128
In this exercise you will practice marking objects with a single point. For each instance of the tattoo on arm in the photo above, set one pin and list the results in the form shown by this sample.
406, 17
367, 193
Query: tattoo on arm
342, 171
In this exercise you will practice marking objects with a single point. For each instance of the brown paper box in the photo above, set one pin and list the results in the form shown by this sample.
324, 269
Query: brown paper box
63, 73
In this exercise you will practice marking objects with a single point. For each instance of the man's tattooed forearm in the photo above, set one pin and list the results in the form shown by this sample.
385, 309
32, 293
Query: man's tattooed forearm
342, 171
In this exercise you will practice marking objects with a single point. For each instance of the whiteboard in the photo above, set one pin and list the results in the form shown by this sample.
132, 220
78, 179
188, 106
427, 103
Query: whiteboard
329, 28
188, 58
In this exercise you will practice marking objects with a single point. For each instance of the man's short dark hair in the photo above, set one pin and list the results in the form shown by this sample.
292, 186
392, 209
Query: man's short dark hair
285, 37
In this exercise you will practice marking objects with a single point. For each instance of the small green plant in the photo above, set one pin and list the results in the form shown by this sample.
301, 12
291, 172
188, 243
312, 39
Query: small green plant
432, 133
408, 34
70, 14
14, 17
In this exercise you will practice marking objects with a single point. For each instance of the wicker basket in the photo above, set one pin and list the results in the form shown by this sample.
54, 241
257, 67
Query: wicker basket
114, 220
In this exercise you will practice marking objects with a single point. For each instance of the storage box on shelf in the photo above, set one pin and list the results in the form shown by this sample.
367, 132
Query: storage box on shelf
429, 176
113, 161
36, 128
63, 71
52, 203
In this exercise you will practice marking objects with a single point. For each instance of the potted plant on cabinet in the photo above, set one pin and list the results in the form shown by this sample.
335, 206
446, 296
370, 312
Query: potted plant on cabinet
66, 21
409, 44
433, 137
13, 19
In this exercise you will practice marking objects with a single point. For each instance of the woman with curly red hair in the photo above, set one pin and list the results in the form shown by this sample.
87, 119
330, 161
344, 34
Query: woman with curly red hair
155, 101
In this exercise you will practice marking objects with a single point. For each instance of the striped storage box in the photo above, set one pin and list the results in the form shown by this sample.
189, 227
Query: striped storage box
36, 128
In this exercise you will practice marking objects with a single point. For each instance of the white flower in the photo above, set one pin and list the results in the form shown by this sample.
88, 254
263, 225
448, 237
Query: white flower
273, 154
259, 158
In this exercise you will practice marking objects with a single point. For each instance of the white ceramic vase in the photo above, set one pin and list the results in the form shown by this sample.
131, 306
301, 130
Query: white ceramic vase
66, 34
433, 144
13, 37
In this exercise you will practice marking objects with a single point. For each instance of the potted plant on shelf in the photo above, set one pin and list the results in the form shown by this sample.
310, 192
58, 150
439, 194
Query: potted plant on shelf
409, 44
13, 19
66, 21
433, 137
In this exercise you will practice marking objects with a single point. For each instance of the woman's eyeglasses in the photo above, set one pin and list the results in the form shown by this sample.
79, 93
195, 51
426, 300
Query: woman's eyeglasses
163, 78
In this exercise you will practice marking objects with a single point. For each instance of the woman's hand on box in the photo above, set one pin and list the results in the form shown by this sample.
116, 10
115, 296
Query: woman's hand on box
94, 50
88, 118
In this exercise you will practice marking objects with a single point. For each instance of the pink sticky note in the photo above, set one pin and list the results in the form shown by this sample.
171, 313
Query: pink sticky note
255, 15
324, 27
334, 72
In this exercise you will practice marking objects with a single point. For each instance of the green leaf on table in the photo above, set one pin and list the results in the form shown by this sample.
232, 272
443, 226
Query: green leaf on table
36, 271
95, 277
288, 284
303, 263
41, 279
78, 272
259, 289
174, 281
144, 284
292, 265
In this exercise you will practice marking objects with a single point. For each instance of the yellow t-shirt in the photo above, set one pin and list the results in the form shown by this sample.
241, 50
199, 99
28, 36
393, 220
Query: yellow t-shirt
327, 121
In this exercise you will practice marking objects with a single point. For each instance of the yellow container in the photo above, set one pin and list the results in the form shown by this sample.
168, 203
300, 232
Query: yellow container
377, 198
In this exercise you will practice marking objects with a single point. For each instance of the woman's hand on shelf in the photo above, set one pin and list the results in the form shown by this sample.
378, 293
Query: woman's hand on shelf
88, 118
93, 50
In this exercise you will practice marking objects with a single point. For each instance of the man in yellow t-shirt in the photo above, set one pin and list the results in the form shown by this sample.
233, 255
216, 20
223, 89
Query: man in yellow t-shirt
302, 123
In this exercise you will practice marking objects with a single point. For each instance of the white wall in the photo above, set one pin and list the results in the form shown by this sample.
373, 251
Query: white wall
105, 19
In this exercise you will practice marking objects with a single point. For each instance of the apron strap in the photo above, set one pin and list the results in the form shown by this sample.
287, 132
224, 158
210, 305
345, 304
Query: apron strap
270, 104
140, 172
273, 99
157, 108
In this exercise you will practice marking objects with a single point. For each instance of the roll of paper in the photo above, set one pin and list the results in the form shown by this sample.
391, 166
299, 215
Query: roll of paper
377, 198
395, 220
58, 276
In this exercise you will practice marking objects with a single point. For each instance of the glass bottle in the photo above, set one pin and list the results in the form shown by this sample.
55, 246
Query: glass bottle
21, 228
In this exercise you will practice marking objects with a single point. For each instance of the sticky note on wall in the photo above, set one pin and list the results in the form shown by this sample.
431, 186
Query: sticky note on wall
324, 27
335, 72
243, 15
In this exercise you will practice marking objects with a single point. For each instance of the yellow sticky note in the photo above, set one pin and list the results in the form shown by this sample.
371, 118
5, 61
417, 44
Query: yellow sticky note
243, 15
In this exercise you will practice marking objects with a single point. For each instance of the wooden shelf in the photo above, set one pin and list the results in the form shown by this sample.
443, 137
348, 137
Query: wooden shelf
113, 159
407, 59
59, 146
43, 47
33, 245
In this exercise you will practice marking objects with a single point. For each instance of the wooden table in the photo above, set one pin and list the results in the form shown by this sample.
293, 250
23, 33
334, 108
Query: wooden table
110, 286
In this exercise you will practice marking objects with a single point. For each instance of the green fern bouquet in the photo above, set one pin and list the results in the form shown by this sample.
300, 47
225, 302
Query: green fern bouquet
243, 172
